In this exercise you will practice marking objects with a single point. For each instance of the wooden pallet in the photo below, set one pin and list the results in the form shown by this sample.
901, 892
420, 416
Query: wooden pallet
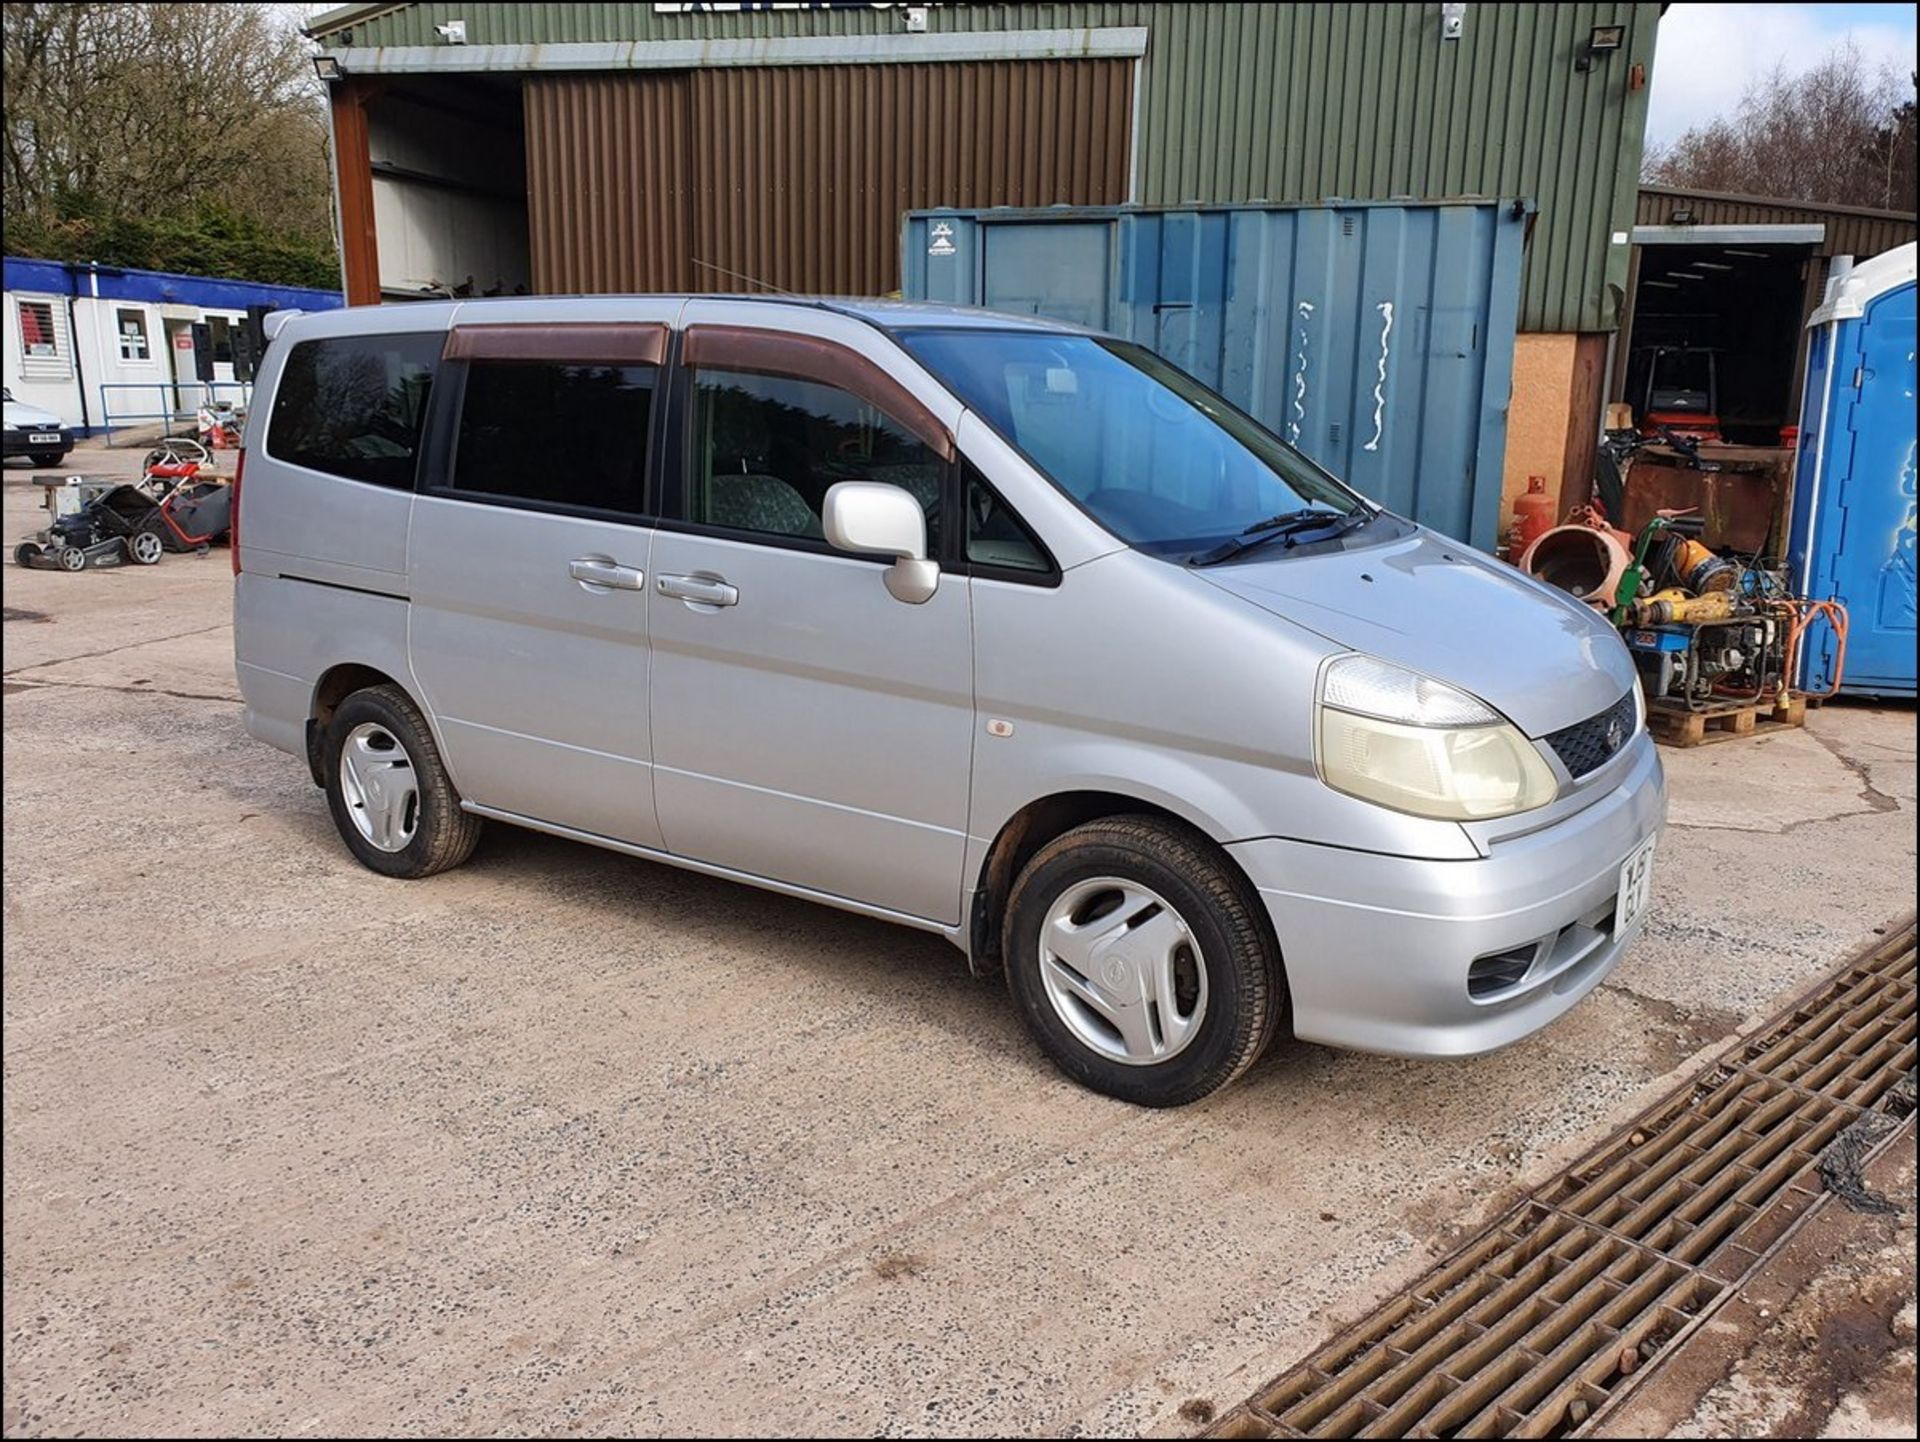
1724, 721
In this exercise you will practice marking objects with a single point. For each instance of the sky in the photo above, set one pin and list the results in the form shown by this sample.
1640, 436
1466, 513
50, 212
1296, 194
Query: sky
1707, 53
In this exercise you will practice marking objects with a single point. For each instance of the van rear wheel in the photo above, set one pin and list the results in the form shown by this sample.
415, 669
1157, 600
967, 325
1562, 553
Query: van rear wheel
388, 790
1142, 962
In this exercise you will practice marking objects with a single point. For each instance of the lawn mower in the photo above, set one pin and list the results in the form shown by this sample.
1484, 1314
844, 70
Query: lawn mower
169, 510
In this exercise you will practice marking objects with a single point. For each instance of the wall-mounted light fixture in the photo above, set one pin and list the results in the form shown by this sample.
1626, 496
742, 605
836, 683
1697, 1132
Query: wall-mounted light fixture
327, 67
454, 32
1682, 216
1453, 19
1601, 40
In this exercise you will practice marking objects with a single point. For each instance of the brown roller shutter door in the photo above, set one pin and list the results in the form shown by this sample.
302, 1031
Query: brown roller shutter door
796, 177
608, 182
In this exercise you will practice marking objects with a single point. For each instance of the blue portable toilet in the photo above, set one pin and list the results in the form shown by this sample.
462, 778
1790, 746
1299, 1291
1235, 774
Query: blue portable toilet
1853, 490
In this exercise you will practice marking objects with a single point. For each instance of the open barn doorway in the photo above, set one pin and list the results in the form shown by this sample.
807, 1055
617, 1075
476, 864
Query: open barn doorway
1715, 345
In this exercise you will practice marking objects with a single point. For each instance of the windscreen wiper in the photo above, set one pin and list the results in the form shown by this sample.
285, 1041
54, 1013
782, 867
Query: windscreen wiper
1288, 526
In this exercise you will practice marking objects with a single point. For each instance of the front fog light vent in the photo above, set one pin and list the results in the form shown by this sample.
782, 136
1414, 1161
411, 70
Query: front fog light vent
1499, 970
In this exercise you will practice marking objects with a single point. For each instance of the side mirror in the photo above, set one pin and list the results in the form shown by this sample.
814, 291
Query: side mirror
873, 518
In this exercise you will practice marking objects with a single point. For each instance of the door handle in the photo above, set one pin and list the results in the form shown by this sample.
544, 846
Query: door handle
703, 590
607, 573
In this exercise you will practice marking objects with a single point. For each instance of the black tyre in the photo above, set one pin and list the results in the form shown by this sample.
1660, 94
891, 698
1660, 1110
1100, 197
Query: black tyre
1142, 961
24, 553
145, 548
48, 459
70, 558
389, 792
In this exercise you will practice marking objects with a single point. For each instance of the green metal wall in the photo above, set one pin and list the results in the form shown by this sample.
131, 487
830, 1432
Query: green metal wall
1287, 103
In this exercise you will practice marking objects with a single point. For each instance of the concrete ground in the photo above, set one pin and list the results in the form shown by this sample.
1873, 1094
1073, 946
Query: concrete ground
568, 1142
1819, 1344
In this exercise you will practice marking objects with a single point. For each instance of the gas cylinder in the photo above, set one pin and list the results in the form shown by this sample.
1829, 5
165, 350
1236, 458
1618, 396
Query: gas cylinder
1532, 516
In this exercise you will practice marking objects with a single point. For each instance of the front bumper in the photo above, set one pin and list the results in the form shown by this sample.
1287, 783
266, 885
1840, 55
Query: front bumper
1378, 948
21, 443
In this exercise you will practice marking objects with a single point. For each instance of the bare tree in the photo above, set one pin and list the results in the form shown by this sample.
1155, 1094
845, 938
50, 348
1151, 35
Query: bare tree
156, 114
1839, 134
1893, 153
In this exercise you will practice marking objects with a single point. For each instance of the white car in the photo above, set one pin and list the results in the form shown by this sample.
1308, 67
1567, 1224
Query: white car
34, 432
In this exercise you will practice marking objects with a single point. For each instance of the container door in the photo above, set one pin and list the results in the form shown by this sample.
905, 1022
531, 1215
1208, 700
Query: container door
1379, 339
1870, 537
1052, 270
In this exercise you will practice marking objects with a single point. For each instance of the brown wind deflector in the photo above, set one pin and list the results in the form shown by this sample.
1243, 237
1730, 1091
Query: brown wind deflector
810, 358
582, 342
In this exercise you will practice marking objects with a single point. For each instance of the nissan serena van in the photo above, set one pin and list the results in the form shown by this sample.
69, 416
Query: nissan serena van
989, 626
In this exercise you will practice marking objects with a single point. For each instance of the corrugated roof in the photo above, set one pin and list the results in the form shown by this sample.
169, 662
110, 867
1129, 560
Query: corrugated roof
1775, 202
59, 277
343, 16
1850, 229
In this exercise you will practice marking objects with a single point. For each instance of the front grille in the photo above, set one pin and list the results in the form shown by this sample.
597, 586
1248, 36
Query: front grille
1587, 745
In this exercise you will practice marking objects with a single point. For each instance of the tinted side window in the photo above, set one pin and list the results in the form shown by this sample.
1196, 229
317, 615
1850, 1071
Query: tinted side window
767, 448
996, 537
565, 433
353, 406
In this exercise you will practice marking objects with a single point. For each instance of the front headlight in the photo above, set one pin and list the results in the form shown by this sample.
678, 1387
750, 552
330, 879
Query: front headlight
1406, 741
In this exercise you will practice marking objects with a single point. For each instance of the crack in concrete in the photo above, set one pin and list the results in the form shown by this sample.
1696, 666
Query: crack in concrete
113, 650
1787, 830
1877, 801
35, 683
1875, 798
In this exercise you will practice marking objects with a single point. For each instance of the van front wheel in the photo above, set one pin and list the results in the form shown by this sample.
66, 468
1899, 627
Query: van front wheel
389, 793
1141, 961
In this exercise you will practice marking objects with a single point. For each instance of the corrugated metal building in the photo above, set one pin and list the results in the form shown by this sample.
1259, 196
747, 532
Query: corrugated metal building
1157, 104
606, 147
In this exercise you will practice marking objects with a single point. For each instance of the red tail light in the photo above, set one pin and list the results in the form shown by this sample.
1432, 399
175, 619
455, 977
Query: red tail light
233, 510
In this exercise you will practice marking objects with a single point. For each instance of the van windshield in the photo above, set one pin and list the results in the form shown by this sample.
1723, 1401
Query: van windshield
1153, 455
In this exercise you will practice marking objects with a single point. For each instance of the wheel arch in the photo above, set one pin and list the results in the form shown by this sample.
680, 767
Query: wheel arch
337, 683
1032, 827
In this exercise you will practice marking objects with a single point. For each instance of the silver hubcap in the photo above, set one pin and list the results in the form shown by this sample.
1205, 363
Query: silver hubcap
378, 782
1123, 971
146, 546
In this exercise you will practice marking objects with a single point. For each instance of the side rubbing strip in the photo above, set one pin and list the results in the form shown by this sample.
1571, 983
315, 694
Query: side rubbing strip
583, 341
769, 352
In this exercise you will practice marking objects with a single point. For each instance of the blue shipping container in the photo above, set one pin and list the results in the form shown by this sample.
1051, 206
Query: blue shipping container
1853, 490
1376, 337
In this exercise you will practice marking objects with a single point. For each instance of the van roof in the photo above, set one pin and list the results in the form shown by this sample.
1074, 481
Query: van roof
913, 314
888, 315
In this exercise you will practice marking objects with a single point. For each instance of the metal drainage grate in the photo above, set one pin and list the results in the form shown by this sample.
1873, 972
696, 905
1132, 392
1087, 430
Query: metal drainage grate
1535, 1325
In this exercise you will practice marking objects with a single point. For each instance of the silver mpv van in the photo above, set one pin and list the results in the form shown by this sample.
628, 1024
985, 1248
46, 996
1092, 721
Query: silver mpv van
997, 628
